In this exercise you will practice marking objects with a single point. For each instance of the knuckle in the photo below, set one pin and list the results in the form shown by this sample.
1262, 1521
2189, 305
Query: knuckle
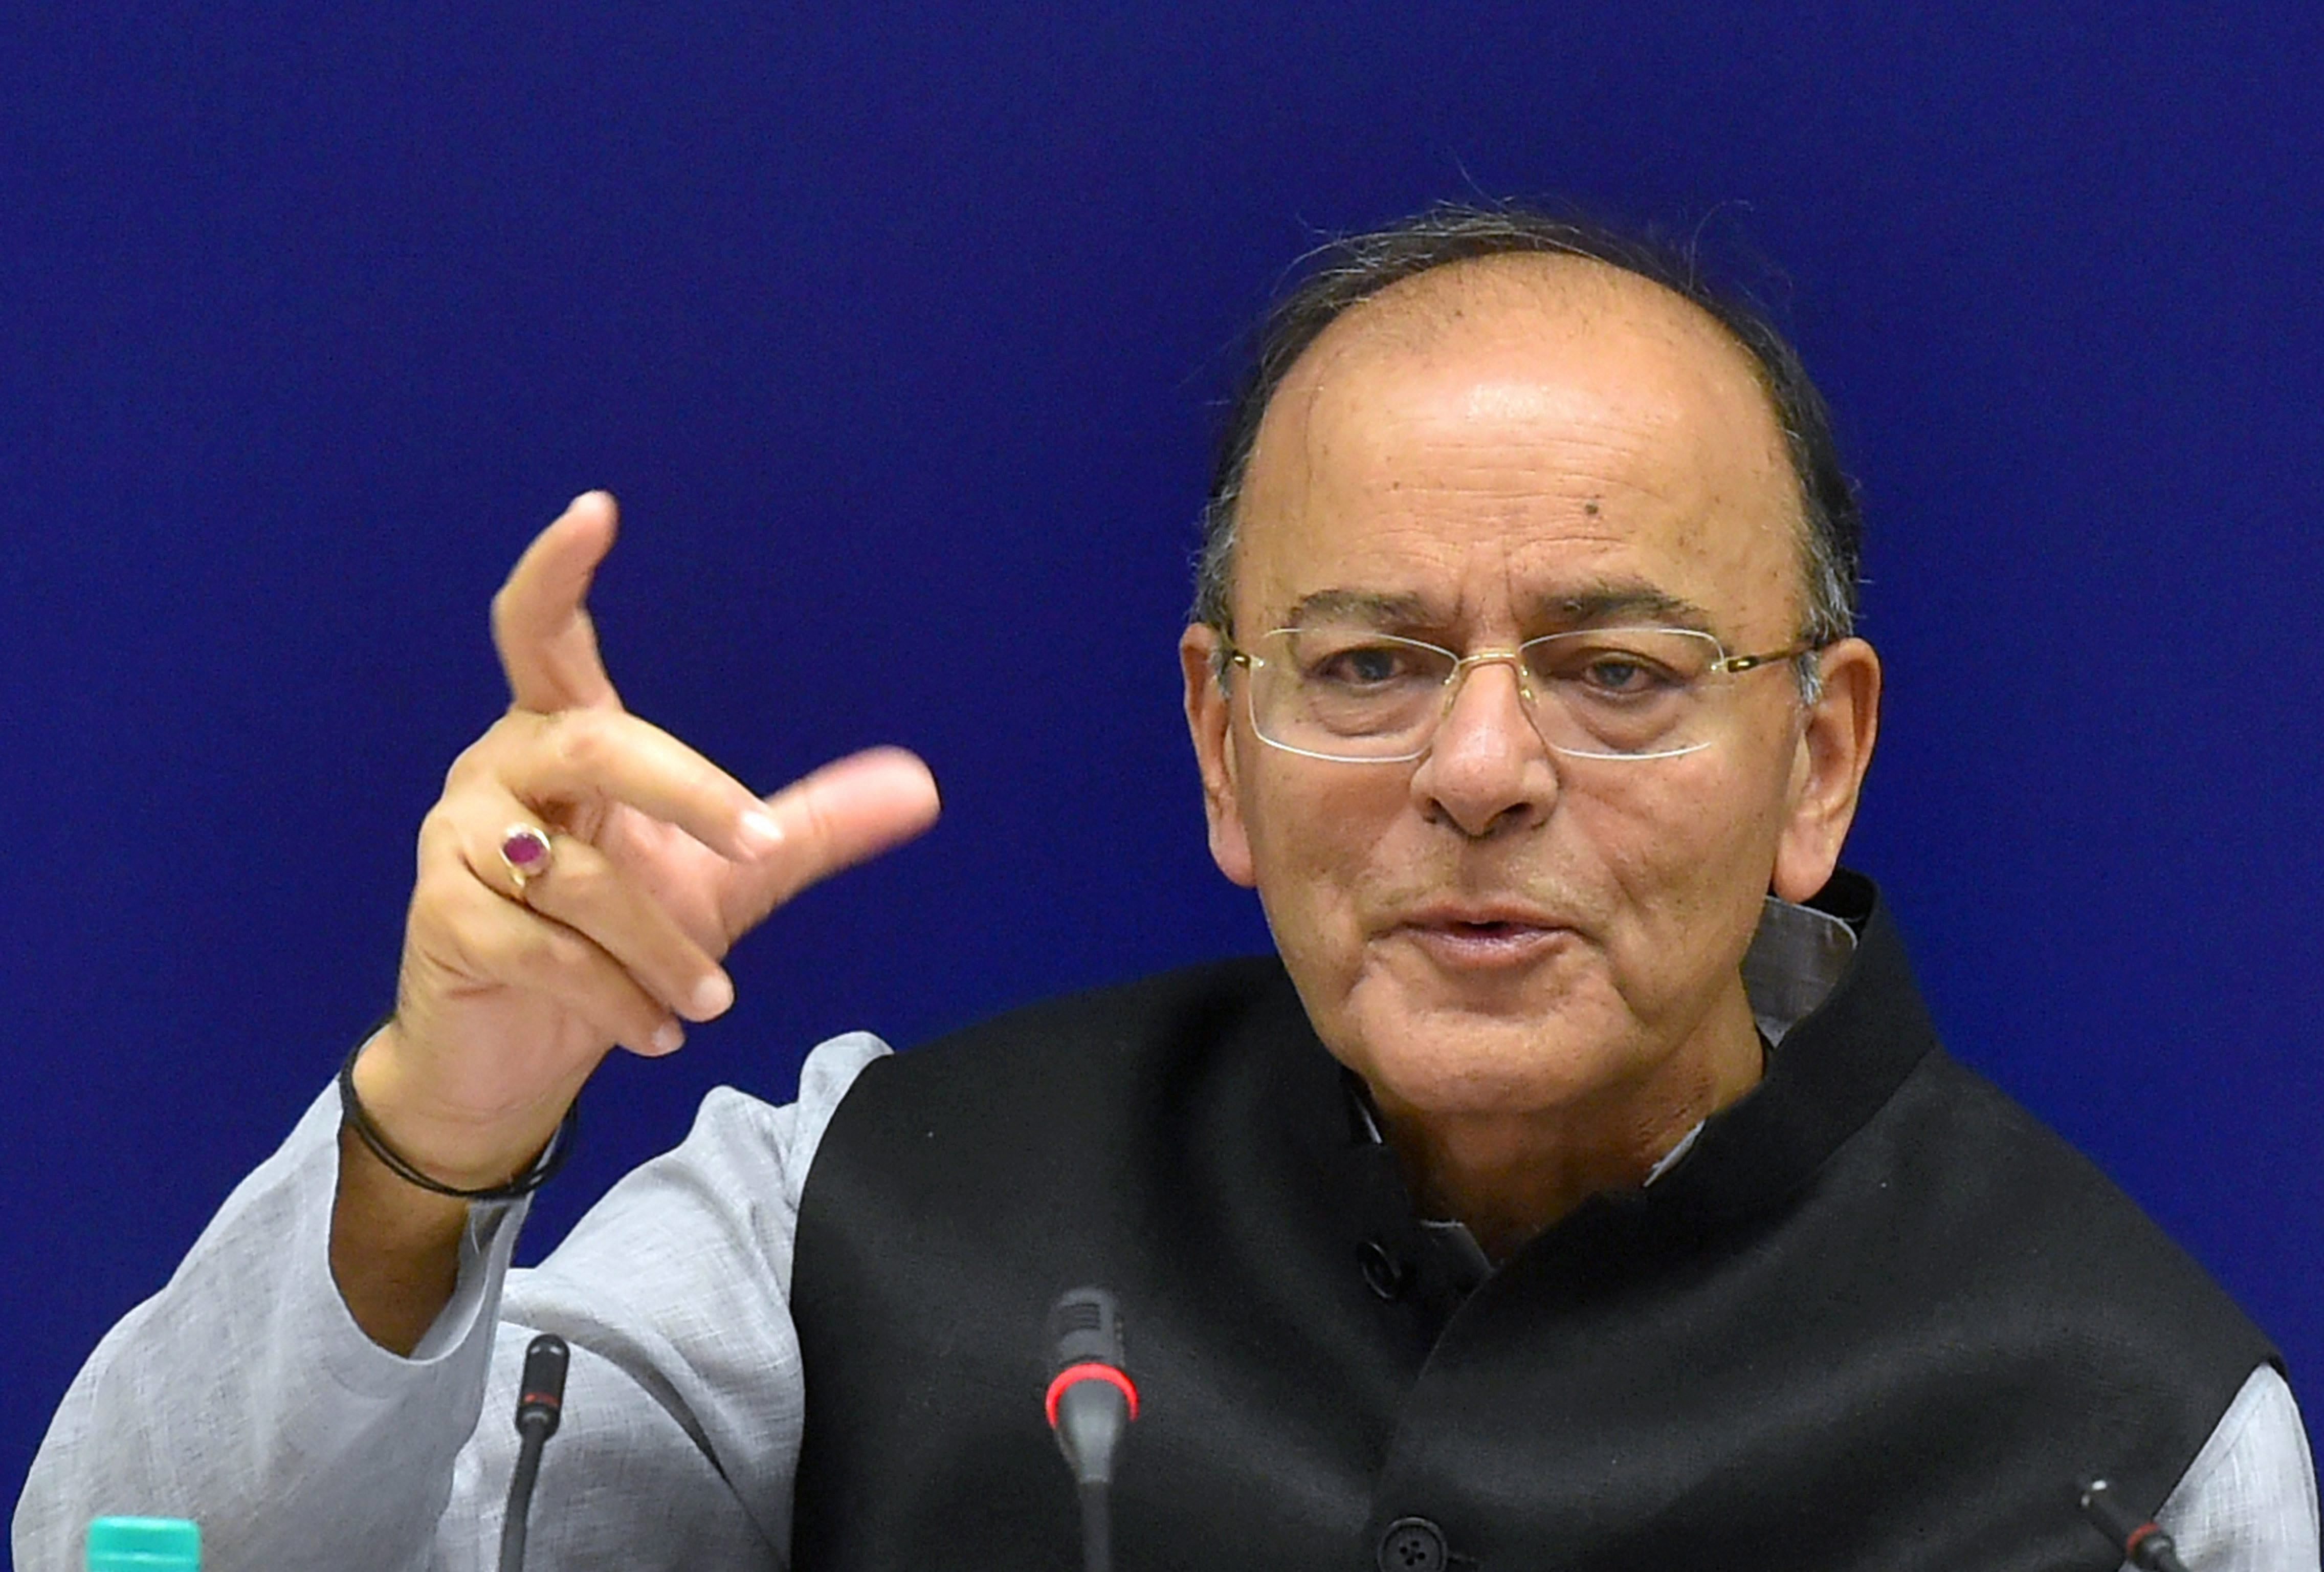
477, 758
463, 765
439, 839
434, 892
819, 829
561, 952
576, 886
579, 741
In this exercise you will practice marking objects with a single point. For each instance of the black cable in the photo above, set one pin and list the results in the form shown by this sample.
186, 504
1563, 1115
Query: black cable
1097, 1529
519, 1497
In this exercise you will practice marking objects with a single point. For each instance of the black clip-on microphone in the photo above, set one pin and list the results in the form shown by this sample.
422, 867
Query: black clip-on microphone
1091, 1403
2142, 1541
540, 1404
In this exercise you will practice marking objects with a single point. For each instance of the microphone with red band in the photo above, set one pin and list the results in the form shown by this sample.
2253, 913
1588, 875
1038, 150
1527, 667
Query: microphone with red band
2141, 1541
541, 1392
1090, 1401
540, 1404
1073, 1374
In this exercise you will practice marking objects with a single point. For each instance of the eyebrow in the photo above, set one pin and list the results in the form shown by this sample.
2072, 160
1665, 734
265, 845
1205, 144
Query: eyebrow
1358, 605
1600, 605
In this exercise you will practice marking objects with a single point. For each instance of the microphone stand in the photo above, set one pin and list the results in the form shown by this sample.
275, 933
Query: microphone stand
1091, 1403
540, 1404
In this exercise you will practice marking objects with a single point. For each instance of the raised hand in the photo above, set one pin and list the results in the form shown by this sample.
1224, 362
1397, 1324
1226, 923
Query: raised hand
513, 988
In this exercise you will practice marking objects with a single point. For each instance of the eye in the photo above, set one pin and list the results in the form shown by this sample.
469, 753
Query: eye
1364, 666
1361, 665
1609, 669
1616, 672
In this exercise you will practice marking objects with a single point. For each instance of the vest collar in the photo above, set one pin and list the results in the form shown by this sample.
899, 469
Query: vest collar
1829, 981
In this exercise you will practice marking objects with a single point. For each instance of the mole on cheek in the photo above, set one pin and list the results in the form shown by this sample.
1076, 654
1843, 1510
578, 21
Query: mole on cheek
1590, 508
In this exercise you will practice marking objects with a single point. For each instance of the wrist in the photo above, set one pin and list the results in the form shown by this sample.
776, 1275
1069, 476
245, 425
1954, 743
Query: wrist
454, 1154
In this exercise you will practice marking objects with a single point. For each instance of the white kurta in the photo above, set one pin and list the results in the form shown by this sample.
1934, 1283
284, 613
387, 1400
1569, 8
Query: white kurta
244, 1396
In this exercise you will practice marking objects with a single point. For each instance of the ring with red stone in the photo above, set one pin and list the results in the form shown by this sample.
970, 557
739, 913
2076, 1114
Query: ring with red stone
525, 853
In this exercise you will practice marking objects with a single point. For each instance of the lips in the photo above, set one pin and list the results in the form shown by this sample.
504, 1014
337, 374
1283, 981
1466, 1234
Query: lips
1462, 914
1464, 937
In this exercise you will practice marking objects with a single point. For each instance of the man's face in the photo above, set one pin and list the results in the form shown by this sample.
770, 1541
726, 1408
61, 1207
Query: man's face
1481, 455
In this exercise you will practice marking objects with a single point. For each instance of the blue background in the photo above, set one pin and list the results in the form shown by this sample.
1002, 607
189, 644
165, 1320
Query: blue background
901, 333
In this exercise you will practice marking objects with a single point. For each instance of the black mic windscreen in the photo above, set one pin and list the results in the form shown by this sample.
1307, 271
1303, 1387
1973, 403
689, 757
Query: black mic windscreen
541, 1393
2141, 1542
1085, 1328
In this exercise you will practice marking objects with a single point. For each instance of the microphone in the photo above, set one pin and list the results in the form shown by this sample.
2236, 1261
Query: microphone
1091, 1403
540, 1404
2142, 1543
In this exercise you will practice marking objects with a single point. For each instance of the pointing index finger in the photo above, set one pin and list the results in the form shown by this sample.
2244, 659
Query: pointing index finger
540, 617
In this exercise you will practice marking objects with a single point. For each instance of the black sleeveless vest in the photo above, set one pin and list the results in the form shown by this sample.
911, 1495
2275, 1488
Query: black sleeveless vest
1876, 1318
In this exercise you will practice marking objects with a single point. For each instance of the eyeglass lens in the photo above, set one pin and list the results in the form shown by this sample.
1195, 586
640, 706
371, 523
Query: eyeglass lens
1359, 694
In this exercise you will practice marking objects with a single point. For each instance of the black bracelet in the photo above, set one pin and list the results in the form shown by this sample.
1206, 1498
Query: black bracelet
542, 1168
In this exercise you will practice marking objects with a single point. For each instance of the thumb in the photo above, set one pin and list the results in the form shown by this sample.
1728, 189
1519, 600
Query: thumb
843, 814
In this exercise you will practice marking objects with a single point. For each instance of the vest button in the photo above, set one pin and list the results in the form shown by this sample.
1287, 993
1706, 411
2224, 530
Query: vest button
1412, 1545
1384, 1274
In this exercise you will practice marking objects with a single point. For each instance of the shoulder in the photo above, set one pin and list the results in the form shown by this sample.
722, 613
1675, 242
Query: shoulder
1963, 1170
1951, 1125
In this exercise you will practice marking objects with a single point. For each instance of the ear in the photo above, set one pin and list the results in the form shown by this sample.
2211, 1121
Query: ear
1835, 748
1209, 718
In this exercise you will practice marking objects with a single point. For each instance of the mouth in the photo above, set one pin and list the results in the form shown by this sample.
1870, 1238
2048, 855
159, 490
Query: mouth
1484, 941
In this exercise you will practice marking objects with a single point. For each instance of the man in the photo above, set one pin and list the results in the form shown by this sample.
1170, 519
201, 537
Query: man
1571, 1193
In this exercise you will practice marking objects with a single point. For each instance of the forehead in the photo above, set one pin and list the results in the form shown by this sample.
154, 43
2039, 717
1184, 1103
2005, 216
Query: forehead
1499, 437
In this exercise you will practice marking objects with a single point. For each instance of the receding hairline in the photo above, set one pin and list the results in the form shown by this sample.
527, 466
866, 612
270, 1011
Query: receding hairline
1430, 309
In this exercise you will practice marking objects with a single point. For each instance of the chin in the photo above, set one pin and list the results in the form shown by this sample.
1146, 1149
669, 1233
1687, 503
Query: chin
1458, 1059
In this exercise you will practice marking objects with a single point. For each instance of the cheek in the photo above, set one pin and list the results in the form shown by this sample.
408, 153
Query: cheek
1315, 832
1689, 851
1291, 829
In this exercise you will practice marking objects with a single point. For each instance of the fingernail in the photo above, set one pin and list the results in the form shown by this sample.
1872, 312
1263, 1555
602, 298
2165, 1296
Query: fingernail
713, 995
667, 1037
760, 833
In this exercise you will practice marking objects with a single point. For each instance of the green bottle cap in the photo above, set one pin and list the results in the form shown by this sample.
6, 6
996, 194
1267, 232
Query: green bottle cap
145, 1545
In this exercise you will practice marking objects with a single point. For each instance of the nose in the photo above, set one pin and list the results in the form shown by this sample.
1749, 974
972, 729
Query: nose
1487, 771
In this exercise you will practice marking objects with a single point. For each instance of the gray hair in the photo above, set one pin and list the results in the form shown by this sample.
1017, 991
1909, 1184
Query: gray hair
1347, 272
